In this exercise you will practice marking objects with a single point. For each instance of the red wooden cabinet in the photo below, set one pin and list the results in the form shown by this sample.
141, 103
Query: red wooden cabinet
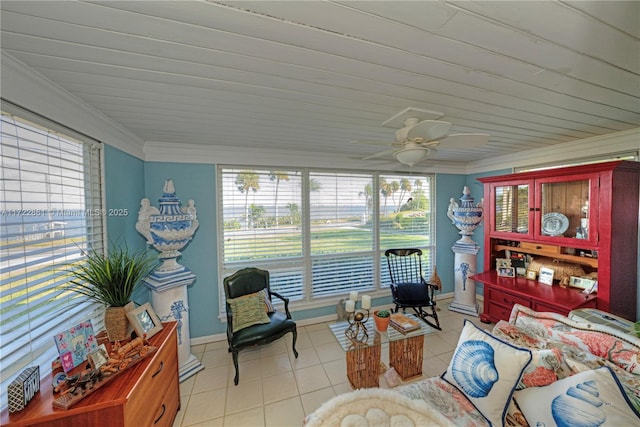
585, 215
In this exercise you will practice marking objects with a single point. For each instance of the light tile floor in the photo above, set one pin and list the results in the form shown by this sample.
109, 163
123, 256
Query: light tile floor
276, 389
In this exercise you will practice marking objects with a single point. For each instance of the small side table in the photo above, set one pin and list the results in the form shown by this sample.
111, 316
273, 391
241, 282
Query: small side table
363, 359
406, 351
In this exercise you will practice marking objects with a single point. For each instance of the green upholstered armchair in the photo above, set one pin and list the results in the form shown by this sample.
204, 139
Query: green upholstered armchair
251, 318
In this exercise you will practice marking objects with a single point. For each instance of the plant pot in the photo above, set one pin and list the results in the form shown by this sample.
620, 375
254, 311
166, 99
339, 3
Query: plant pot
382, 323
116, 323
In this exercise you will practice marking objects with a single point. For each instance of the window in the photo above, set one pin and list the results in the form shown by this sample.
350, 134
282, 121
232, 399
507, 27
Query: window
50, 210
321, 233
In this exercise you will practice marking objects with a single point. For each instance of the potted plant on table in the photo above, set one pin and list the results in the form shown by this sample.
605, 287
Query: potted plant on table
381, 318
110, 279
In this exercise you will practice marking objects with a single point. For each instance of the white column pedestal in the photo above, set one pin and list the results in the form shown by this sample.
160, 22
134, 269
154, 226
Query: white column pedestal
464, 298
171, 303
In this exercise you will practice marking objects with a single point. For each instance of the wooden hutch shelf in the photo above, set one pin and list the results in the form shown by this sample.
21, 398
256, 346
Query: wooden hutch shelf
147, 394
591, 262
585, 215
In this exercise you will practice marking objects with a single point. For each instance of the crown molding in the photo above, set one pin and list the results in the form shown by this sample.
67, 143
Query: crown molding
26, 88
597, 146
228, 155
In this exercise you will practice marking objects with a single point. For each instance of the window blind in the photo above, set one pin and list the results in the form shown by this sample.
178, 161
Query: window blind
406, 219
50, 212
261, 211
321, 233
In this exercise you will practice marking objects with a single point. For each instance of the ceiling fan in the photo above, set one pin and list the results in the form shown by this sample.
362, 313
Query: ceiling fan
419, 136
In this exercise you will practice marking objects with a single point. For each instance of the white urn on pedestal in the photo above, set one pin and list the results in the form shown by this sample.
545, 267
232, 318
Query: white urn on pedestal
169, 229
466, 217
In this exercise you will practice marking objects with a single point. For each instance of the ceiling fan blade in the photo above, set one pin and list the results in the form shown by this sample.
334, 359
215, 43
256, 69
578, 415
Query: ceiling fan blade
372, 142
464, 140
429, 130
380, 154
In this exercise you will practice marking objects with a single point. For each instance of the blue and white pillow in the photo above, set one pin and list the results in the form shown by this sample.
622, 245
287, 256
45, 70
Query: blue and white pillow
487, 370
590, 398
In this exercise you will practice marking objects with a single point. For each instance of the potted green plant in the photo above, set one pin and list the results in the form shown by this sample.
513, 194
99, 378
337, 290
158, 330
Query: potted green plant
110, 279
381, 318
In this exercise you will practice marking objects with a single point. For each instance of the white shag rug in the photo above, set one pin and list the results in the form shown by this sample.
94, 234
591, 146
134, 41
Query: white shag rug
375, 407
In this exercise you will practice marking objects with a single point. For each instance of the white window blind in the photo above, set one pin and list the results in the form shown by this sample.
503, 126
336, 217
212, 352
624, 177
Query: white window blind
262, 213
321, 233
406, 219
342, 236
50, 211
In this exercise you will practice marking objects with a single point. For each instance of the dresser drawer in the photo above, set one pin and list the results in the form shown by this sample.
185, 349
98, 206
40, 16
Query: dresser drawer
146, 400
507, 300
168, 409
498, 312
552, 249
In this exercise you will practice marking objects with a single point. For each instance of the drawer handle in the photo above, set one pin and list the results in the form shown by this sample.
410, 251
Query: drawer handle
164, 408
159, 369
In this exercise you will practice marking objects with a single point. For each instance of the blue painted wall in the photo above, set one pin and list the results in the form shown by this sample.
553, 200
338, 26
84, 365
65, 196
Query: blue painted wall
124, 187
197, 182
447, 186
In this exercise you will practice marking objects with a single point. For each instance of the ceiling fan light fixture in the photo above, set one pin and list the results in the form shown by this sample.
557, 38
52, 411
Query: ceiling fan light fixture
412, 155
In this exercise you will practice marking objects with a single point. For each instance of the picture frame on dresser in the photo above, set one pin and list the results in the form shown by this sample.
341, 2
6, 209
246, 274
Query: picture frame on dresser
502, 263
144, 320
506, 272
546, 276
581, 282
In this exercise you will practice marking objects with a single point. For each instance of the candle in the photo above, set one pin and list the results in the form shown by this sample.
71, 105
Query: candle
366, 302
353, 296
350, 306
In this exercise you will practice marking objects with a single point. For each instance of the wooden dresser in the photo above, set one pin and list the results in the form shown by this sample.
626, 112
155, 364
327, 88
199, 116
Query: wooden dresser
147, 394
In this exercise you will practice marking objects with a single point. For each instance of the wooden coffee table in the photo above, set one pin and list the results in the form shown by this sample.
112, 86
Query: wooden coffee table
363, 359
406, 351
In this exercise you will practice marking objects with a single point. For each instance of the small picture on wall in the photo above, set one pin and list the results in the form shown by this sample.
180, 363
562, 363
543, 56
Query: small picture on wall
506, 272
546, 276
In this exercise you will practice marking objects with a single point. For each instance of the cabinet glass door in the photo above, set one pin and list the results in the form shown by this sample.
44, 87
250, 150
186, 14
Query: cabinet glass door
566, 209
511, 204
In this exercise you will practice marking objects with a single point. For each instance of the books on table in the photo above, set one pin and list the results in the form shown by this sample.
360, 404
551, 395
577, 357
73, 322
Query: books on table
403, 323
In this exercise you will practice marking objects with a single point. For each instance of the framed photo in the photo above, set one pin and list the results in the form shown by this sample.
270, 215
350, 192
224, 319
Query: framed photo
99, 357
546, 275
502, 263
507, 272
144, 320
581, 282
74, 344
531, 275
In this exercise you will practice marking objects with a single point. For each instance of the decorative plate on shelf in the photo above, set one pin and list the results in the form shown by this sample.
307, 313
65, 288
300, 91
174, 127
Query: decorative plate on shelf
554, 224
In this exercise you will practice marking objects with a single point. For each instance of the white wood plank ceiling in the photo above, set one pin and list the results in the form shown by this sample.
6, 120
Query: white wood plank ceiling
310, 76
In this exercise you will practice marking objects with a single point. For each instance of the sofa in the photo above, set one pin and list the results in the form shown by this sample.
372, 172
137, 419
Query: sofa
537, 369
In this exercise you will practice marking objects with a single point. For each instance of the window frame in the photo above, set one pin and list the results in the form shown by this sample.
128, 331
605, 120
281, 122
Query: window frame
378, 261
39, 349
